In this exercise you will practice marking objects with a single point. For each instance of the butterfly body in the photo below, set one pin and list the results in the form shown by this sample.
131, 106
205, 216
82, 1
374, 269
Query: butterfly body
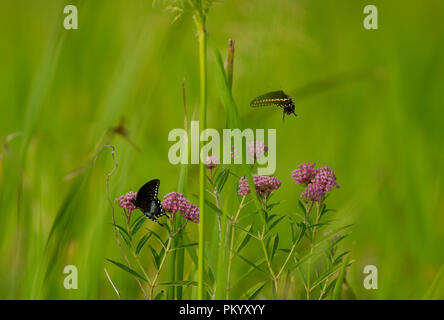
275, 98
147, 201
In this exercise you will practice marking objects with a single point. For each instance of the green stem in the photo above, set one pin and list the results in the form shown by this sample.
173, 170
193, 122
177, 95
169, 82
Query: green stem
221, 257
286, 260
156, 277
172, 264
176, 261
230, 260
267, 259
203, 111
273, 277
136, 257
313, 234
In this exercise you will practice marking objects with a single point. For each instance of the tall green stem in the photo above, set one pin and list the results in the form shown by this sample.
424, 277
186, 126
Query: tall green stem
313, 234
231, 252
156, 276
221, 254
203, 115
171, 291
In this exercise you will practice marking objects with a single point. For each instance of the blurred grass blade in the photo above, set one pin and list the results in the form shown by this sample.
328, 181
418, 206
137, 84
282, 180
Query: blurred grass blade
225, 92
339, 281
436, 289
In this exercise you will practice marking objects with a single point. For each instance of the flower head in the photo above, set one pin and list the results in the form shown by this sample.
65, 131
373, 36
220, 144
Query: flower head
325, 178
314, 192
211, 162
243, 188
125, 201
319, 181
264, 185
304, 174
176, 202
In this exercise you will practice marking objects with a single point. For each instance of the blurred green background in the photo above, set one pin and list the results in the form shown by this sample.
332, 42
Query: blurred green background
61, 90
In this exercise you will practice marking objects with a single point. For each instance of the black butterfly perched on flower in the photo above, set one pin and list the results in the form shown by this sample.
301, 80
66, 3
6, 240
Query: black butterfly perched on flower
276, 98
147, 201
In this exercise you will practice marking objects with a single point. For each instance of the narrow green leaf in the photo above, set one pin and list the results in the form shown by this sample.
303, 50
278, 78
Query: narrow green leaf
272, 205
141, 216
142, 242
246, 238
184, 283
127, 269
302, 207
275, 223
328, 289
219, 175
137, 226
338, 259
301, 234
251, 264
125, 238
213, 206
275, 246
252, 293
223, 180
305, 258
251, 269
338, 286
185, 246
155, 257
157, 237
248, 232
271, 217
324, 276
121, 229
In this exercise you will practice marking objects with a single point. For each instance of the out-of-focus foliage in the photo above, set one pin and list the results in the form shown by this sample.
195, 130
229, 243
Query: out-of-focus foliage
62, 90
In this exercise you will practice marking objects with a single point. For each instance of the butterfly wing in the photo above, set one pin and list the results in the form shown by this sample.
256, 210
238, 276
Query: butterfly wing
147, 193
276, 98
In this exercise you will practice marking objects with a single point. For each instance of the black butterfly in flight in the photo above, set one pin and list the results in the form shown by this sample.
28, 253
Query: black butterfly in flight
276, 98
148, 202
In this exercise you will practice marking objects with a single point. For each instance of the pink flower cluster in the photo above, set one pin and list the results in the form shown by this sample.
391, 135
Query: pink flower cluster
264, 185
211, 162
304, 173
125, 201
314, 192
325, 177
175, 202
319, 181
257, 149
